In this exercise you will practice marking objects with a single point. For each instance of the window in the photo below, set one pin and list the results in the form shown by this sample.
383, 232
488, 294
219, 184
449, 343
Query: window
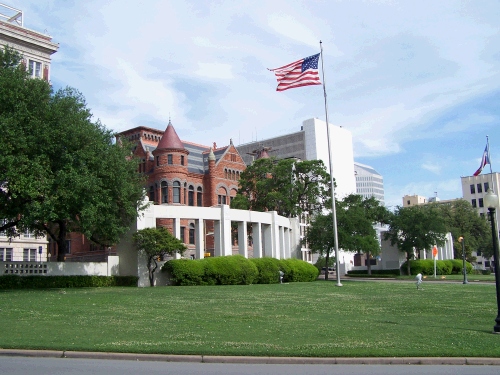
481, 202
185, 192
182, 159
35, 68
177, 192
6, 255
472, 189
29, 255
479, 188
191, 234
157, 160
68, 247
152, 194
474, 203
164, 192
486, 186
191, 195
170, 159
199, 197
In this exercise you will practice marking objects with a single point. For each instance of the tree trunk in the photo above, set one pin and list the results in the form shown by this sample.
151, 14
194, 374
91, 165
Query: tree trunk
62, 246
151, 270
368, 263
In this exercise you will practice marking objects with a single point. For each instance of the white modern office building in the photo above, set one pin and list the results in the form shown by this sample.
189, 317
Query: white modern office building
369, 183
311, 143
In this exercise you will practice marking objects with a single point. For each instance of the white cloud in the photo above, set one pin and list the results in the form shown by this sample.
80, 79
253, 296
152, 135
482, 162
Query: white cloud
214, 70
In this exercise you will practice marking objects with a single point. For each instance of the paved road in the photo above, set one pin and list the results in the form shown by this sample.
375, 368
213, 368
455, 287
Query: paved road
80, 366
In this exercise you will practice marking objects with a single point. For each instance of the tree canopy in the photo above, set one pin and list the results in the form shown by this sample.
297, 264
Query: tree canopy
463, 220
155, 243
287, 186
356, 217
60, 171
416, 228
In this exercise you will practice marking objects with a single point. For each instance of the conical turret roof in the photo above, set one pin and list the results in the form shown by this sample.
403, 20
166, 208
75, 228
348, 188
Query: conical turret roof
170, 139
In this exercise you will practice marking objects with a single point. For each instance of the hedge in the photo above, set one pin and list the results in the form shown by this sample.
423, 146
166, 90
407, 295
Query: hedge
237, 270
37, 282
374, 272
227, 270
443, 267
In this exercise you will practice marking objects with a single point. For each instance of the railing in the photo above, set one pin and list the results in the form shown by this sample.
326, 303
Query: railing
24, 268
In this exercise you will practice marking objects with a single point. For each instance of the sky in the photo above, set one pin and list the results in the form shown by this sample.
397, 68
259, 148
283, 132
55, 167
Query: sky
417, 83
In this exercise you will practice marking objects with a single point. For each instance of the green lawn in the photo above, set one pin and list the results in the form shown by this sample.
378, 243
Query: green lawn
299, 319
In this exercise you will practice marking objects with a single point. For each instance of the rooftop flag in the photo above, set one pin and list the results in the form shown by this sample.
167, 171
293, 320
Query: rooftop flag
303, 72
485, 160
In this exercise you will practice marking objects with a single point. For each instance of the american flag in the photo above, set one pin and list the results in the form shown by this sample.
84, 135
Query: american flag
303, 72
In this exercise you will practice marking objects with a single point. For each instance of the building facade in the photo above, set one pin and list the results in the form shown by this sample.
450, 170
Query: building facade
369, 183
474, 188
311, 143
35, 48
182, 173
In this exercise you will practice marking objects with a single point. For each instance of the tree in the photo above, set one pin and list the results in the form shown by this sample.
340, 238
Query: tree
462, 220
60, 172
356, 220
356, 217
287, 186
155, 243
416, 228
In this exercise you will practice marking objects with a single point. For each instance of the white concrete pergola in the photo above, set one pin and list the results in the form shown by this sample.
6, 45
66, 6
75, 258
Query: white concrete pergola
273, 235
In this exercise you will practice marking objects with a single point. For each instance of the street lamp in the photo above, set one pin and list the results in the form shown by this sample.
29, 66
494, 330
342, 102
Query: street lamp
491, 201
464, 270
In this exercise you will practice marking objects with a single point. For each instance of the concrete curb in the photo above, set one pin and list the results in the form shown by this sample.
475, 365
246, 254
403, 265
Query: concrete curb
253, 360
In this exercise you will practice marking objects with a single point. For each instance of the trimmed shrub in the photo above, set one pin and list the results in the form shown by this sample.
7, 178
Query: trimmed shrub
228, 270
268, 270
443, 267
297, 270
185, 272
37, 282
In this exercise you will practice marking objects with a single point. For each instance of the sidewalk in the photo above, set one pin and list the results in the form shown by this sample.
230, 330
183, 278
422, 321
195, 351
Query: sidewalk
253, 360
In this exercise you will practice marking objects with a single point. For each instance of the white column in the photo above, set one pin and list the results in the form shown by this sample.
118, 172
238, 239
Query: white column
275, 235
177, 233
267, 234
199, 238
288, 241
242, 239
257, 240
227, 247
282, 242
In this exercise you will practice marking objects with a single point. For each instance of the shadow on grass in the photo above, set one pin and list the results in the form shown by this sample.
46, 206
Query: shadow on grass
430, 326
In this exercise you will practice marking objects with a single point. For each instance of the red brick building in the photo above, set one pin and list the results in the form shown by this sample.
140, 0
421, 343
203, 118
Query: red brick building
184, 173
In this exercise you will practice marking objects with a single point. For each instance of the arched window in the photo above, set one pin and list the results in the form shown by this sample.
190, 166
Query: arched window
164, 192
185, 192
177, 192
191, 234
199, 197
233, 175
225, 173
221, 195
191, 195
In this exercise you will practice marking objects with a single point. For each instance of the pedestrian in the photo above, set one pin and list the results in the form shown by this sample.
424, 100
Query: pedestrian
419, 281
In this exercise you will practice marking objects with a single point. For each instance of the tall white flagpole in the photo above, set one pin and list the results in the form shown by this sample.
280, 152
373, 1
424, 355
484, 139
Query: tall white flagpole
334, 212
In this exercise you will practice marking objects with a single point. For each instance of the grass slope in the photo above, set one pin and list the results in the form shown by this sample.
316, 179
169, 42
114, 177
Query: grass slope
297, 319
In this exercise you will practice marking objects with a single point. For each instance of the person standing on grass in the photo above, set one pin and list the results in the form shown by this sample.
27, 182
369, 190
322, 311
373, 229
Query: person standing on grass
419, 281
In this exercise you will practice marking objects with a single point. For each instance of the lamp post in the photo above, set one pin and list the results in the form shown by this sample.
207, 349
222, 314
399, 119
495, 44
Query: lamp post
464, 269
491, 201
